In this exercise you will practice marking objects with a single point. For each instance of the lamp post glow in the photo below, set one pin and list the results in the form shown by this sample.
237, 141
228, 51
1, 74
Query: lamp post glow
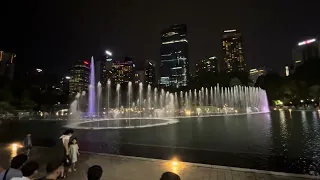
108, 53
39, 70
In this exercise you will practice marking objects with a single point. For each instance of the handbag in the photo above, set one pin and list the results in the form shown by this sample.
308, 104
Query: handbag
5, 174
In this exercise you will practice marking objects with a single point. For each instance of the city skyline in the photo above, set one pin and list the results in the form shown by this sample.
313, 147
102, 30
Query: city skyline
54, 34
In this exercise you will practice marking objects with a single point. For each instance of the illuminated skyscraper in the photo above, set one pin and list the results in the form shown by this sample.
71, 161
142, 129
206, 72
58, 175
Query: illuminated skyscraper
101, 71
123, 71
150, 73
79, 78
7, 65
255, 73
305, 50
174, 66
207, 65
233, 52
139, 76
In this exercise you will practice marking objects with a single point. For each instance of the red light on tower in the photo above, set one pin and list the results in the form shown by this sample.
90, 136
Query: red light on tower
86, 62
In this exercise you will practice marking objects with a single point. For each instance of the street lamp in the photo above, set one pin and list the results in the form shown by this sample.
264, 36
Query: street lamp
108, 53
39, 70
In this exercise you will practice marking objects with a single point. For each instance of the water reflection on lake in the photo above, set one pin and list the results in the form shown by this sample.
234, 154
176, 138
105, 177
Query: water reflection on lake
290, 134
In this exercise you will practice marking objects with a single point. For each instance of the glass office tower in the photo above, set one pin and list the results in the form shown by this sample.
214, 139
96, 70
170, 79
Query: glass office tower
174, 66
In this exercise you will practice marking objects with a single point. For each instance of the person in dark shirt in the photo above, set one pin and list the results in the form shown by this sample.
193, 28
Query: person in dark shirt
94, 173
14, 170
170, 176
29, 171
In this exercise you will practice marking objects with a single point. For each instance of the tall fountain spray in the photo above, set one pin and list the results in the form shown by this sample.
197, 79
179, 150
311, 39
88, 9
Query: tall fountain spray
140, 97
108, 95
149, 97
118, 96
129, 97
92, 91
99, 90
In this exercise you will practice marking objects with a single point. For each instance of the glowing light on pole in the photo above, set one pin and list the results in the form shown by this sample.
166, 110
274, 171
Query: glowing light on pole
108, 53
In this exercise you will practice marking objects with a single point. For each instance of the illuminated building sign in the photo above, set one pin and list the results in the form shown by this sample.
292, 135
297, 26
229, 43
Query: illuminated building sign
85, 62
306, 42
232, 30
177, 41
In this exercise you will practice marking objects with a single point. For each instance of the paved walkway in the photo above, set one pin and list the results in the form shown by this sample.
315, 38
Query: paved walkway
125, 168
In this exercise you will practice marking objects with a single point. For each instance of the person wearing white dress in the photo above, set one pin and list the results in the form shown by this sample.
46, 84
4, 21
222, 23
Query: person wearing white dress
74, 152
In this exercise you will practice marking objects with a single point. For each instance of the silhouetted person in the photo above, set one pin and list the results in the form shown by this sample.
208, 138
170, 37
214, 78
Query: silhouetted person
65, 139
29, 171
27, 144
94, 173
170, 176
14, 170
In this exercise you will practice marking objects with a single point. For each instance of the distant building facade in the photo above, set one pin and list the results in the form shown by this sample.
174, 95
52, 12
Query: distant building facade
304, 51
233, 51
139, 77
7, 64
123, 71
108, 62
64, 85
150, 73
207, 65
79, 78
255, 73
174, 66
101, 71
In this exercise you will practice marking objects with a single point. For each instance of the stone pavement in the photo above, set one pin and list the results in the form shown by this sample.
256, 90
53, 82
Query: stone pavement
125, 168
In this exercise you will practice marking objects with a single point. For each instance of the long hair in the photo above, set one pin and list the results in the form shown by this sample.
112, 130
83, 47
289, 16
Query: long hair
68, 131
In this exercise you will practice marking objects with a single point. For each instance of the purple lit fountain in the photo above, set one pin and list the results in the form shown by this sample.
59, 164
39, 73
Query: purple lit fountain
92, 91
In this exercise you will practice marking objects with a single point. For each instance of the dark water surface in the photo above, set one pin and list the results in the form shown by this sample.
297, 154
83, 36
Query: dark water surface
262, 141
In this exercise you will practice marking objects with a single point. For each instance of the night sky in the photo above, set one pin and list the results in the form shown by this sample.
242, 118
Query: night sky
54, 34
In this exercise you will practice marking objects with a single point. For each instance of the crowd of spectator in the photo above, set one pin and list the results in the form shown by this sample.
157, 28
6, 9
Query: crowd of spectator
21, 169
68, 151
